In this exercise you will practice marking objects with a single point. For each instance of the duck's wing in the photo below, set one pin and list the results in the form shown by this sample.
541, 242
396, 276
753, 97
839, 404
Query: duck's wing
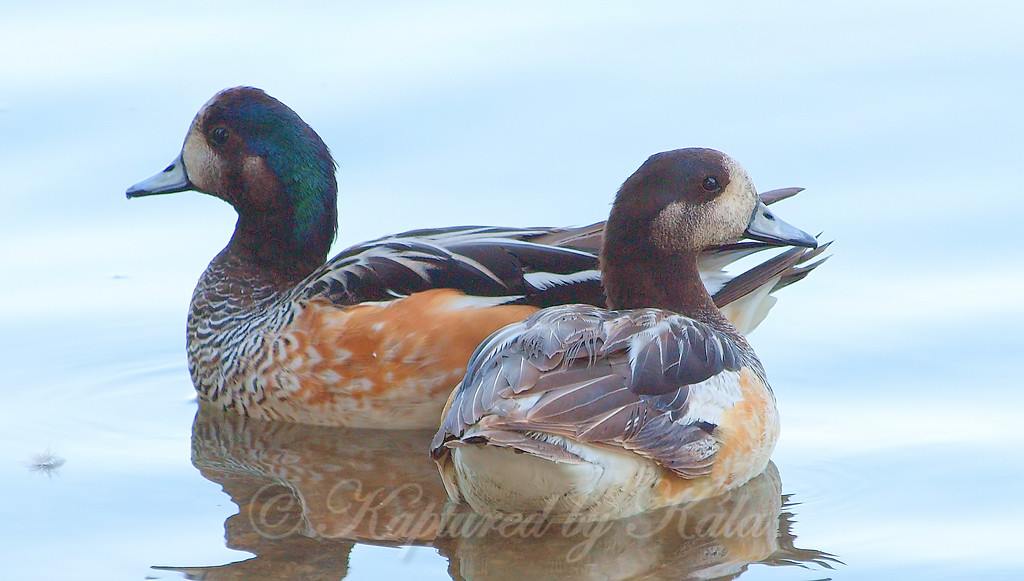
501, 265
745, 299
588, 238
647, 381
539, 266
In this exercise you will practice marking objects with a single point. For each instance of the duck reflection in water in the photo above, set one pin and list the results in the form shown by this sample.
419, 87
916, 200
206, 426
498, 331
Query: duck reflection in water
307, 494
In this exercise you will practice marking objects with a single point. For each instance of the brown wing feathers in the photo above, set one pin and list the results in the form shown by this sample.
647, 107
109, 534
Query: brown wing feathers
536, 266
595, 377
791, 266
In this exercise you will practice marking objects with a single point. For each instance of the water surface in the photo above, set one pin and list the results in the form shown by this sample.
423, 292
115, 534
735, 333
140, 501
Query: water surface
894, 365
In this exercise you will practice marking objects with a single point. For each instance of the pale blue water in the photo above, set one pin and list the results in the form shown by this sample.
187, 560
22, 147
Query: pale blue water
894, 364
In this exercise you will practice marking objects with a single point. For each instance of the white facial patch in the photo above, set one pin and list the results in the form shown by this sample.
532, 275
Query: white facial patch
733, 207
202, 165
677, 228
682, 226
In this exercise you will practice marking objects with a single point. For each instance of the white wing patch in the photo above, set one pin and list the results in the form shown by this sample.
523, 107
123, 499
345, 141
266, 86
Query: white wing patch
546, 280
473, 302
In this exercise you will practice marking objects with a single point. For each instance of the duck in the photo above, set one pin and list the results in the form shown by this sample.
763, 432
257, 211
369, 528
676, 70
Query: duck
593, 413
378, 335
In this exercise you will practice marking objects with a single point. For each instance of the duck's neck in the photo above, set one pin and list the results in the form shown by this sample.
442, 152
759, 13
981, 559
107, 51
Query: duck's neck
666, 282
285, 228
264, 245
637, 273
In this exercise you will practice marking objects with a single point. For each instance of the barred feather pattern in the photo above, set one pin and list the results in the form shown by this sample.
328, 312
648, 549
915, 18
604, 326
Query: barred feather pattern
231, 324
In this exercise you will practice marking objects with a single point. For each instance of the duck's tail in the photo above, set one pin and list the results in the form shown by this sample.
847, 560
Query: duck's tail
747, 298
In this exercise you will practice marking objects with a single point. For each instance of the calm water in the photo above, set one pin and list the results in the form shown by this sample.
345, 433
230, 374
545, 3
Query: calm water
894, 365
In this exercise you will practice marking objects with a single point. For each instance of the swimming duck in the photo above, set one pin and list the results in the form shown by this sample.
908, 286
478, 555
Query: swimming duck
585, 412
378, 335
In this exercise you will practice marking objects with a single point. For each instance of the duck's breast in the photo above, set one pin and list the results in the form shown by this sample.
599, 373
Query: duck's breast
386, 365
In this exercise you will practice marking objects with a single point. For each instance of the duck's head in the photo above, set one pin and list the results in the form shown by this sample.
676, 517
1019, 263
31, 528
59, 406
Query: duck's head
252, 151
686, 200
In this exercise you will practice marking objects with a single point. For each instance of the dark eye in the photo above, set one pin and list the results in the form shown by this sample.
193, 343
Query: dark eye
710, 184
219, 136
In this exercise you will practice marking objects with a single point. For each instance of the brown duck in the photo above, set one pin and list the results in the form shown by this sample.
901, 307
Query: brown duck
583, 412
378, 335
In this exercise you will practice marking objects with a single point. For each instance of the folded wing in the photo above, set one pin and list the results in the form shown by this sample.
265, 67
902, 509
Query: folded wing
541, 267
647, 381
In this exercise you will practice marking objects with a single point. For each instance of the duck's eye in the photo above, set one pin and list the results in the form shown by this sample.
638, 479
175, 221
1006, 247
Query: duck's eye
219, 136
710, 184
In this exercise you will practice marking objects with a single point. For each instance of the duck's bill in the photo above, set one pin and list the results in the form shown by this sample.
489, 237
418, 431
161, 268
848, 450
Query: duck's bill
766, 227
172, 179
